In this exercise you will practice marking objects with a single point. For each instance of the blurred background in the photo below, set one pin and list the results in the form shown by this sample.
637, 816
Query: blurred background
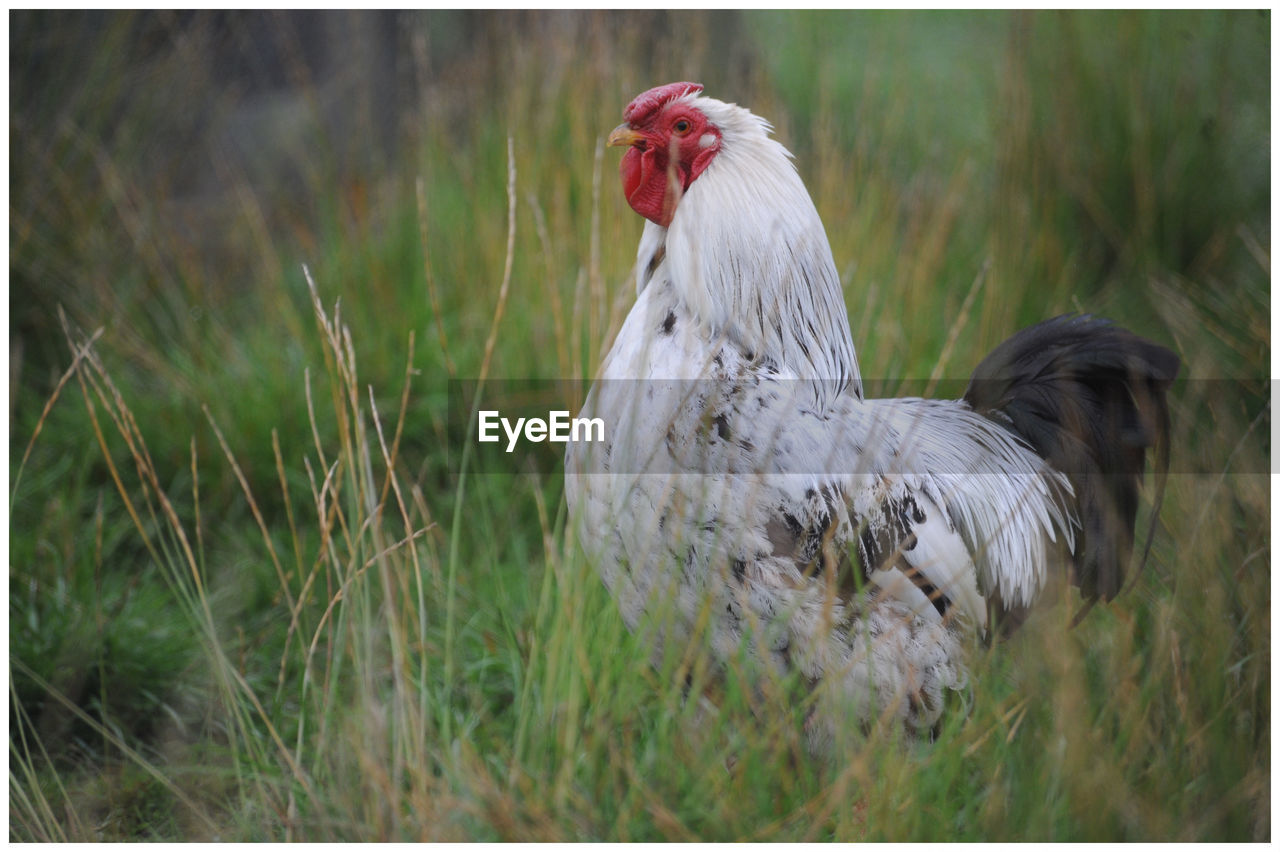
172, 172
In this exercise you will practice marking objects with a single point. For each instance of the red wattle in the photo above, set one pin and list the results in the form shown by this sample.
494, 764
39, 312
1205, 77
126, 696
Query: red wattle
644, 181
630, 169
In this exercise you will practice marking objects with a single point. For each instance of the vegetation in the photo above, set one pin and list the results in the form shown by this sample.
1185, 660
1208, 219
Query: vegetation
256, 593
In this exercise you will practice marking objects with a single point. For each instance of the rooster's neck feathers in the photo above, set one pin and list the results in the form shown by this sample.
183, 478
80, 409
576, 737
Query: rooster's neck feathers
748, 256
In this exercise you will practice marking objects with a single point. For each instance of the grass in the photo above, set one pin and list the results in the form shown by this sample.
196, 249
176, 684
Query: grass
253, 596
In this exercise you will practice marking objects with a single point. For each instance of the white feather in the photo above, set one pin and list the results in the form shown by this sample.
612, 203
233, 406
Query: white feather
749, 259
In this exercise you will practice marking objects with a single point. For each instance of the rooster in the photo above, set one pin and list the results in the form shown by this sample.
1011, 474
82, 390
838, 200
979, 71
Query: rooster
748, 495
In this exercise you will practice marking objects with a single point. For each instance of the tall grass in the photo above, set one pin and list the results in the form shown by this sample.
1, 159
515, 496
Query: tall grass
253, 594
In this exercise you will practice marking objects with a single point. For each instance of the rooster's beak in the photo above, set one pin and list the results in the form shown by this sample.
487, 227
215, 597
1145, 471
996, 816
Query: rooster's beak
624, 135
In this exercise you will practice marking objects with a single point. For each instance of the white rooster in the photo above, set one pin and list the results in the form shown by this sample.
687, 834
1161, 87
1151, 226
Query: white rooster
745, 487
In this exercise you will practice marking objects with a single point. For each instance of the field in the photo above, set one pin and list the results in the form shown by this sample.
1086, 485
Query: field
256, 592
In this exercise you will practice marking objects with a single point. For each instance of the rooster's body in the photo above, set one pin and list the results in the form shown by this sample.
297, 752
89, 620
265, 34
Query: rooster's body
747, 488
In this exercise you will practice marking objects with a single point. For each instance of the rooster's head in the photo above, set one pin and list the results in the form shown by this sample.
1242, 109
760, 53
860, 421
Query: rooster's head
671, 141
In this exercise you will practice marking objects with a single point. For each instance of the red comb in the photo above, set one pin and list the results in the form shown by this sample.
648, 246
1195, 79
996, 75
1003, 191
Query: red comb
645, 104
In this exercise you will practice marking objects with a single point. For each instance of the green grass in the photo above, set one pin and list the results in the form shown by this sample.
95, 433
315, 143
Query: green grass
250, 595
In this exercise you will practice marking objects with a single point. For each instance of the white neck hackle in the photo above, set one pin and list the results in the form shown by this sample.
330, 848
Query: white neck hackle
747, 254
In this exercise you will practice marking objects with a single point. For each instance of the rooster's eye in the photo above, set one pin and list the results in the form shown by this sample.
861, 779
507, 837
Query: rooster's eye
681, 127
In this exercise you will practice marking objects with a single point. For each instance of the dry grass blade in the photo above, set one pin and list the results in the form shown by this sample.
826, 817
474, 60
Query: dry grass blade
389, 458
253, 506
1260, 255
957, 326
553, 292
288, 500
79, 353
503, 290
85, 383
1004, 720
596, 300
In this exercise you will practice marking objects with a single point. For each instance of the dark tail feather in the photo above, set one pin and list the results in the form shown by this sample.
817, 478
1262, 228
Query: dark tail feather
1090, 397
